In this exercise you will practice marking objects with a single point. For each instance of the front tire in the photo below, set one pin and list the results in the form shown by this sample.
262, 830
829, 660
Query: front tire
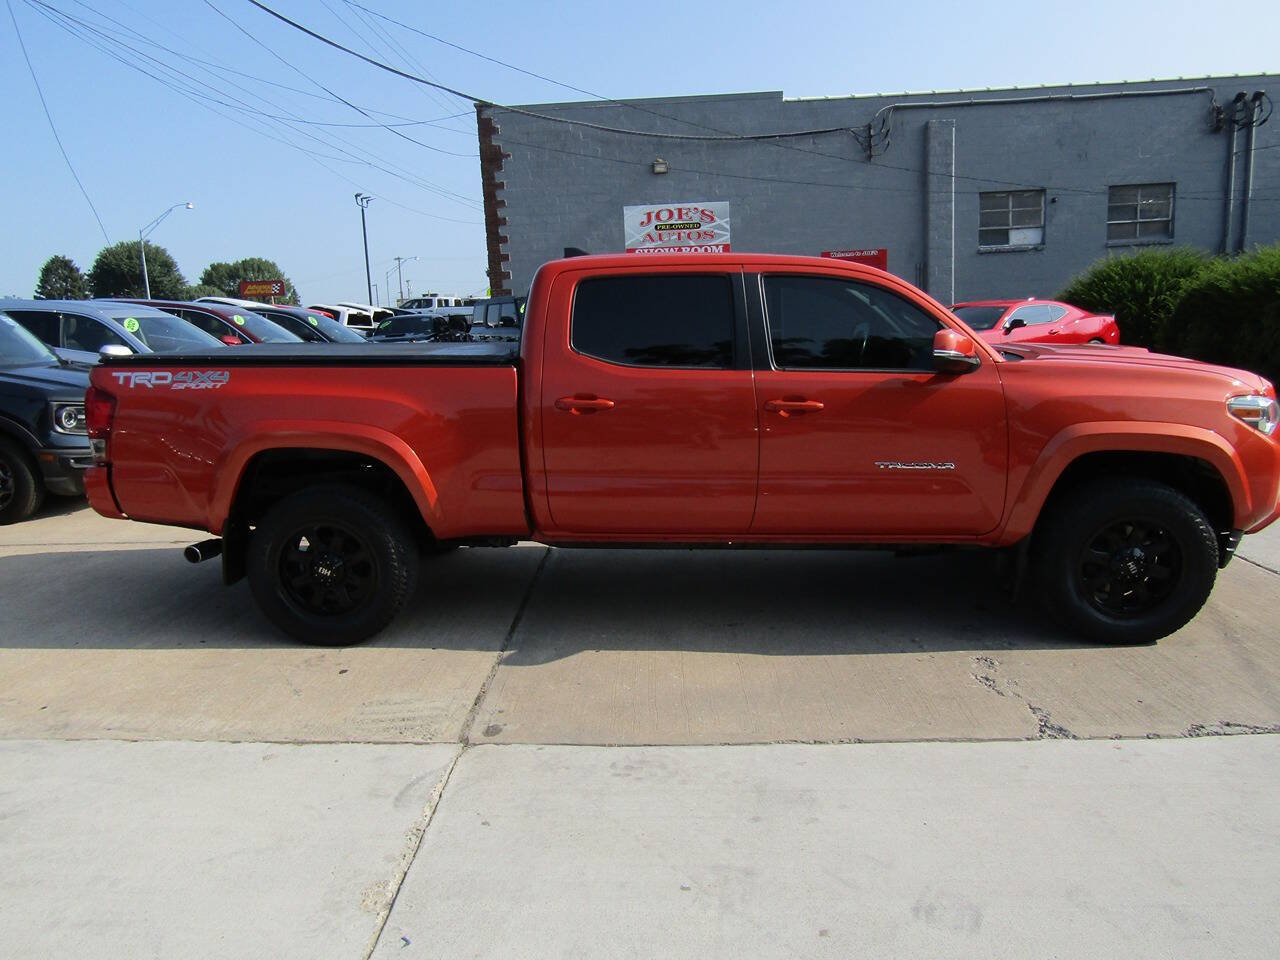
331, 566
1125, 560
21, 488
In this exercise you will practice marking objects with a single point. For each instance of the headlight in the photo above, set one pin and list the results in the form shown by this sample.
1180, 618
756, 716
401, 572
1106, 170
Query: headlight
1257, 411
69, 418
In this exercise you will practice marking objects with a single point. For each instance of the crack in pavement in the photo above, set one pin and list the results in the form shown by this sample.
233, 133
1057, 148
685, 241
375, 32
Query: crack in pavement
1046, 728
383, 896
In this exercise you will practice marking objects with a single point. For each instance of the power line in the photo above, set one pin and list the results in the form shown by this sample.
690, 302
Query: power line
65, 21
769, 137
360, 110
52, 127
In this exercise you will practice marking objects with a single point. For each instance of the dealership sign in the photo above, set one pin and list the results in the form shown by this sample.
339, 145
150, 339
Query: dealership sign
677, 228
262, 288
878, 257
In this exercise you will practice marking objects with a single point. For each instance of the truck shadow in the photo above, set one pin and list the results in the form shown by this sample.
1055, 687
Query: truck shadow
793, 602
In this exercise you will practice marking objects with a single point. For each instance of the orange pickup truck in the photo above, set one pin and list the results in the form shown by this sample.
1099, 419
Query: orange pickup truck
700, 400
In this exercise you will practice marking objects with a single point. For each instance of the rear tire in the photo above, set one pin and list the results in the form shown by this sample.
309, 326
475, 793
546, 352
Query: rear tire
1125, 560
21, 486
331, 566
1098, 341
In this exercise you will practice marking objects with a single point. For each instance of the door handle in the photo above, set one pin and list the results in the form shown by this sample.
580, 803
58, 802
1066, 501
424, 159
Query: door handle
787, 407
583, 404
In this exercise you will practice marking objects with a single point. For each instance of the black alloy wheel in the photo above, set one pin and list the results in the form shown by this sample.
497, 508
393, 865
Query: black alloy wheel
327, 569
1129, 568
331, 565
1124, 559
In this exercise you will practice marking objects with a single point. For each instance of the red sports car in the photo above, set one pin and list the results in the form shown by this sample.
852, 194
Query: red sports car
1036, 321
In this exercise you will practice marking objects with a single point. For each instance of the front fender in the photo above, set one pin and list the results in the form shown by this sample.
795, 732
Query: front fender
377, 444
1123, 436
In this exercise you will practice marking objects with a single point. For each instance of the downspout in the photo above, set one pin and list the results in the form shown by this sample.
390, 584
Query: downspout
1255, 107
1229, 196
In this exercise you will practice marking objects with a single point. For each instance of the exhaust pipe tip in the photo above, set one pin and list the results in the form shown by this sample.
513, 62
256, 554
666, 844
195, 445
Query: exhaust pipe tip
204, 550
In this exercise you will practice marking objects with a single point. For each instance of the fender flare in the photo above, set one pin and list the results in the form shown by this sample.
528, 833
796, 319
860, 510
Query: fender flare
1122, 436
260, 436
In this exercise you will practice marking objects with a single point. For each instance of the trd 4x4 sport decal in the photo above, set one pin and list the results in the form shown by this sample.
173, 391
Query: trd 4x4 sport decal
177, 380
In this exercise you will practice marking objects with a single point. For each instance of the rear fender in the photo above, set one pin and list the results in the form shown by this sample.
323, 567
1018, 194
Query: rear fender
377, 444
1122, 436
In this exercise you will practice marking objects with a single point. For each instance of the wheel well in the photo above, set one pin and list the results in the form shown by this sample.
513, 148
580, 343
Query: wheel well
1195, 478
274, 474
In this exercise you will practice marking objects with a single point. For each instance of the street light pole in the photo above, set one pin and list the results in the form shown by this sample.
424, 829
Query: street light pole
142, 241
363, 201
400, 261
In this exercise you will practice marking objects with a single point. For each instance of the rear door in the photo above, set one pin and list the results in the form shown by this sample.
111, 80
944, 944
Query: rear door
860, 436
648, 408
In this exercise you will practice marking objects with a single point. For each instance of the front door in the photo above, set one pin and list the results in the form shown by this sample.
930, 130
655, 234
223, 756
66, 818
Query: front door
859, 435
647, 409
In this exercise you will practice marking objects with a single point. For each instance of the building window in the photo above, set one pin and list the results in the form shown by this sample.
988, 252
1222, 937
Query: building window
1140, 211
1011, 218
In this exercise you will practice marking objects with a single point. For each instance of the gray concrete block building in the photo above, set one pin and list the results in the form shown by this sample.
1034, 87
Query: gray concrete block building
969, 194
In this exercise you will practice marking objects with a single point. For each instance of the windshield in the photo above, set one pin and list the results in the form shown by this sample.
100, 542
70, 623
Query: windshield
263, 329
19, 348
164, 333
980, 318
332, 329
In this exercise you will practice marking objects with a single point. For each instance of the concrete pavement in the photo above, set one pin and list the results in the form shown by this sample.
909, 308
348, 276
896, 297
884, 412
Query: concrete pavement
294, 842
203, 851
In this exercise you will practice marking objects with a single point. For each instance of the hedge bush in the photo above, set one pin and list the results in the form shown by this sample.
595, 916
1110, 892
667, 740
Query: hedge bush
1230, 313
1142, 290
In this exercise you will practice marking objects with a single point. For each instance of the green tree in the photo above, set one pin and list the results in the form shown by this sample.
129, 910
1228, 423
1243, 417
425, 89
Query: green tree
1142, 290
227, 276
117, 272
60, 279
196, 291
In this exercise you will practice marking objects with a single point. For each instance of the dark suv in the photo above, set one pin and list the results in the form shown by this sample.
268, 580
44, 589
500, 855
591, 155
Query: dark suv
43, 441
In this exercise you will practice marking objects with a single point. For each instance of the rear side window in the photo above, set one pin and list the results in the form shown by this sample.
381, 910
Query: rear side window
86, 333
834, 324
44, 324
679, 320
1035, 313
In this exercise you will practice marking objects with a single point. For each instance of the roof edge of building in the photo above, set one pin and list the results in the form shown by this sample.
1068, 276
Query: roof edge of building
780, 95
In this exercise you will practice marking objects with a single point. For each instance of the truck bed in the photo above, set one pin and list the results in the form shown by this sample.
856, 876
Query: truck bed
190, 428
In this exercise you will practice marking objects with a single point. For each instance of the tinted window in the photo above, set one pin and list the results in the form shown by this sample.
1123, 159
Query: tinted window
294, 325
491, 314
208, 323
980, 318
262, 328
44, 324
86, 333
1033, 314
1056, 313
665, 321
841, 324
19, 346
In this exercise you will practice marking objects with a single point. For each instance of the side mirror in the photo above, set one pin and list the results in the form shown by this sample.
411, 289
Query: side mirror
1013, 323
953, 352
115, 350
231, 340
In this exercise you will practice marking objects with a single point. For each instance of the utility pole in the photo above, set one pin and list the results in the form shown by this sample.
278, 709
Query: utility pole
400, 261
142, 242
363, 201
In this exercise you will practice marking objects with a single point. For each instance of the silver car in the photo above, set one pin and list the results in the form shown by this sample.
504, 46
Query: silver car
77, 330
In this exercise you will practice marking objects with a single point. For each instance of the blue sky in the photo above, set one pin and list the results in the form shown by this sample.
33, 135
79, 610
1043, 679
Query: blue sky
140, 146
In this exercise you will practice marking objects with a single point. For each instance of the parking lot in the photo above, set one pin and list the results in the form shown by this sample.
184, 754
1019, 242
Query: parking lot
554, 748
